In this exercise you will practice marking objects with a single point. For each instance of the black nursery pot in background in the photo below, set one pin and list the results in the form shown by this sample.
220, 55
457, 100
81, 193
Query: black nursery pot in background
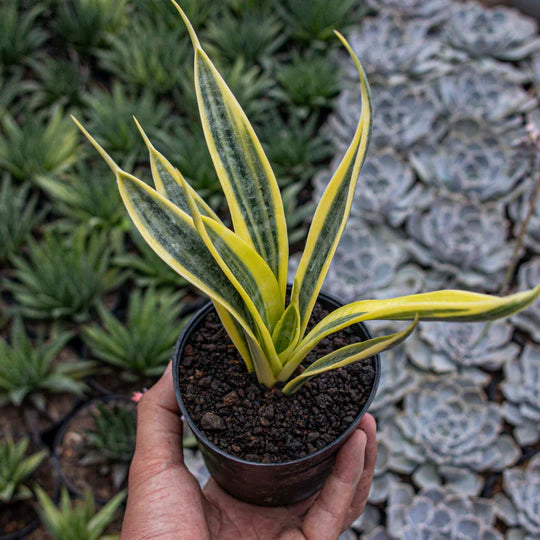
268, 484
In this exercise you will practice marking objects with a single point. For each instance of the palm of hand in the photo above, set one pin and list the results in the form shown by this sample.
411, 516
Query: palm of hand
165, 500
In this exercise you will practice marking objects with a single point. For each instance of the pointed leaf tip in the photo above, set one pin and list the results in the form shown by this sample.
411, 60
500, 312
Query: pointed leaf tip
108, 159
190, 29
149, 145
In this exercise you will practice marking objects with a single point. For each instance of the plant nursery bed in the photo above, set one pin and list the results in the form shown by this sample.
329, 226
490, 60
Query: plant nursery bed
252, 422
112, 383
18, 516
72, 448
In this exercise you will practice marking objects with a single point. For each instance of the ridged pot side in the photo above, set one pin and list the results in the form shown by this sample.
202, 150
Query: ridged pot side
268, 484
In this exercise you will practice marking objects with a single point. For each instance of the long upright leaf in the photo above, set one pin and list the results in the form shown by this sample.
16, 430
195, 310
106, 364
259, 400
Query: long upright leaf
242, 167
247, 271
166, 181
348, 355
333, 209
450, 305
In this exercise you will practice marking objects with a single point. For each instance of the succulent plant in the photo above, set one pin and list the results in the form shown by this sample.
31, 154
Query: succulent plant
518, 213
438, 513
85, 24
521, 388
249, 35
111, 117
397, 379
366, 260
407, 112
310, 20
147, 269
445, 348
44, 144
447, 433
391, 47
386, 190
520, 510
472, 160
294, 147
529, 320
21, 36
138, 347
44, 289
19, 215
76, 520
492, 91
111, 440
308, 80
465, 240
498, 32
411, 8
245, 271
30, 370
147, 54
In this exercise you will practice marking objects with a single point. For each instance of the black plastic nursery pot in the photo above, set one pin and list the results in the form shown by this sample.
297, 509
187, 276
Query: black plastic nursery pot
268, 484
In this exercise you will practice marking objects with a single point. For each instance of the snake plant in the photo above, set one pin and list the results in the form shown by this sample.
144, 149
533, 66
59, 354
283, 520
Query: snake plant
244, 269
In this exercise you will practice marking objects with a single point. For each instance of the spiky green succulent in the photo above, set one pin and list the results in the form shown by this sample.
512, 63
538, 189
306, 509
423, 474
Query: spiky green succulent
76, 520
15, 468
244, 269
28, 370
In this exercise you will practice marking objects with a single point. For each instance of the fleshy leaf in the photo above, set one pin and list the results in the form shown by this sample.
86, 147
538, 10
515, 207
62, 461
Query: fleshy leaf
348, 355
242, 167
333, 209
449, 305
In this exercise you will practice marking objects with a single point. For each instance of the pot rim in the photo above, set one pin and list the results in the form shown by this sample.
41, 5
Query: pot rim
196, 319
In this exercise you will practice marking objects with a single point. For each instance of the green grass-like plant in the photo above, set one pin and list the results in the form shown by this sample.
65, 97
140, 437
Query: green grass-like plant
83, 196
15, 468
310, 20
59, 81
29, 370
78, 520
294, 147
309, 80
138, 347
199, 11
43, 144
147, 55
244, 269
21, 35
19, 215
85, 24
111, 117
250, 36
64, 276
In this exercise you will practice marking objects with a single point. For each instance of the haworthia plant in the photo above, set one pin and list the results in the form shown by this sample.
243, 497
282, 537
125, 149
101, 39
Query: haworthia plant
243, 270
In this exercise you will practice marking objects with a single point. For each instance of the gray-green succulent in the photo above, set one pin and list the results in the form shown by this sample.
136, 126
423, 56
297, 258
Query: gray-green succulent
529, 320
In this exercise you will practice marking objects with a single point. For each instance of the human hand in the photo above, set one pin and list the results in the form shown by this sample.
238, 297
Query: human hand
165, 500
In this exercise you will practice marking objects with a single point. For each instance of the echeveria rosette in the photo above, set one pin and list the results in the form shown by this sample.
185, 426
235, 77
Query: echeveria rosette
486, 89
462, 348
465, 240
392, 47
412, 8
471, 160
387, 190
521, 388
518, 212
448, 433
438, 513
406, 113
521, 511
500, 32
529, 319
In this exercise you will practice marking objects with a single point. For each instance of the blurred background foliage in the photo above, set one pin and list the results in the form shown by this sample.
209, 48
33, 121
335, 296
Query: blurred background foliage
447, 184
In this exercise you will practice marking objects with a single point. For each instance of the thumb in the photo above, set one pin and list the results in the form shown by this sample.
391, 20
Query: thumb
159, 424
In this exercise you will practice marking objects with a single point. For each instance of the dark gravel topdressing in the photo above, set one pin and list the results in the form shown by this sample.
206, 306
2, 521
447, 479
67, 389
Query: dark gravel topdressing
251, 422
